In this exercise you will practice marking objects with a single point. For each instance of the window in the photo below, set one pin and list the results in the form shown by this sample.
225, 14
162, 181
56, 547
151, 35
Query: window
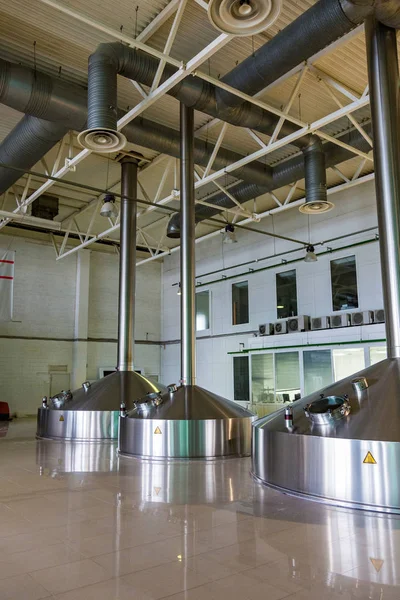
344, 283
377, 354
262, 379
317, 370
286, 294
202, 311
241, 378
240, 303
287, 376
346, 362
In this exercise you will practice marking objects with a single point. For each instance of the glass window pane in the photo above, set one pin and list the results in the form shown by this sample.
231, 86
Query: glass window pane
202, 311
262, 379
377, 354
317, 370
287, 376
286, 294
344, 283
241, 378
240, 303
347, 361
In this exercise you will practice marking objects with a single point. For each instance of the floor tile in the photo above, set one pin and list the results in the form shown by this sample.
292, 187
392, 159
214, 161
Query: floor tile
22, 587
164, 580
70, 576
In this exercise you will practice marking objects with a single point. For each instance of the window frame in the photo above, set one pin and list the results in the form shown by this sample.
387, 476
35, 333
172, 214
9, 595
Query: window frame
204, 331
248, 303
248, 401
341, 310
277, 273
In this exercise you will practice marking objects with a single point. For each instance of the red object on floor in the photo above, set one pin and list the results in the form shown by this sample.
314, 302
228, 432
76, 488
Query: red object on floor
4, 411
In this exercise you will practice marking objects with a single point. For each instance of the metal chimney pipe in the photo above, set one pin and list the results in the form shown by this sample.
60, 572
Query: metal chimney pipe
188, 298
127, 264
383, 72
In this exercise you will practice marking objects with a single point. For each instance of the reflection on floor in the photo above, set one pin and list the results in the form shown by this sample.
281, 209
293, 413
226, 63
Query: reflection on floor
78, 523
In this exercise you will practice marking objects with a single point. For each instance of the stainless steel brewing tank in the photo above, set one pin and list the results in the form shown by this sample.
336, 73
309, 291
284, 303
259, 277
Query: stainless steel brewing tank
189, 423
91, 414
351, 461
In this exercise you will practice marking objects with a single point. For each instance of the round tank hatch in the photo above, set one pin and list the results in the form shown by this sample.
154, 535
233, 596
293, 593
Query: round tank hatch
327, 409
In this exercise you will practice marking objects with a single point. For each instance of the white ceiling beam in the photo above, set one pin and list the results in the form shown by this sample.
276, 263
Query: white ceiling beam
158, 21
268, 213
180, 74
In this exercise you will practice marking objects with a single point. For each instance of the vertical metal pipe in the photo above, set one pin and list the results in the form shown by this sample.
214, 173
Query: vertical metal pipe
383, 71
188, 324
127, 265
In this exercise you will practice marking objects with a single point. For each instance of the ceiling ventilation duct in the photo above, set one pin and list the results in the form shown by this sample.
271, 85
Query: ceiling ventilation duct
91, 413
315, 178
65, 105
243, 17
283, 174
347, 435
188, 421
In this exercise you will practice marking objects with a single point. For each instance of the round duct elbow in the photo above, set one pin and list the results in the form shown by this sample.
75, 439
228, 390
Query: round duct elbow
174, 227
315, 178
357, 10
388, 13
102, 140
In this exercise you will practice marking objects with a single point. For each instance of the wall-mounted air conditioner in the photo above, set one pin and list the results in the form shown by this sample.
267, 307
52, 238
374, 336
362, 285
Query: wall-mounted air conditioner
340, 320
296, 324
365, 317
320, 323
265, 329
379, 316
280, 327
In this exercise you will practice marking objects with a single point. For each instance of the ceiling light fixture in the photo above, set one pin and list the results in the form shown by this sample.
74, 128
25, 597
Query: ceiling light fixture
229, 235
315, 207
310, 254
108, 208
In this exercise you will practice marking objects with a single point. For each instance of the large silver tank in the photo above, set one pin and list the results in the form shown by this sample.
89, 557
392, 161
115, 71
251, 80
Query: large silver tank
188, 423
352, 460
91, 414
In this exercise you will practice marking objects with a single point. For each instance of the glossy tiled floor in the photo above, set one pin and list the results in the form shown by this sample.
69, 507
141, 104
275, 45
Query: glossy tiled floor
76, 523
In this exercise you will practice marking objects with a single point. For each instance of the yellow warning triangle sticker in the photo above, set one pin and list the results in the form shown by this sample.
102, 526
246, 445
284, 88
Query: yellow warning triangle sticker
377, 563
369, 459
157, 490
157, 430
61, 418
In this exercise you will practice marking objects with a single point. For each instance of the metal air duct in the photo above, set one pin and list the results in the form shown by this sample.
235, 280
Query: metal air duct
91, 413
343, 443
281, 175
188, 421
315, 177
65, 107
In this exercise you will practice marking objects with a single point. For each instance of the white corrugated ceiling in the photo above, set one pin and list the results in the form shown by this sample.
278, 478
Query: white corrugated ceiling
33, 33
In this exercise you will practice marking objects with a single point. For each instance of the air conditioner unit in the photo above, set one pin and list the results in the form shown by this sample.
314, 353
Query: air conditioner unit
340, 320
362, 318
379, 316
320, 323
280, 327
298, 324
265, 329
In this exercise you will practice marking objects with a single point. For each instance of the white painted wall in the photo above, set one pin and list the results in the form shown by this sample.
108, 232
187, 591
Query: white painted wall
45, 307
354, 210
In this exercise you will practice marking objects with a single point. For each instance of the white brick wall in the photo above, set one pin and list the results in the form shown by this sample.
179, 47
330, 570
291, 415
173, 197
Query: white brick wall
354, 210
44, 306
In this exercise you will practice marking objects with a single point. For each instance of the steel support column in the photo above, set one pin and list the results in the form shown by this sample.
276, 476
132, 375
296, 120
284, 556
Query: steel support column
127, 267
188, 298
383, 72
